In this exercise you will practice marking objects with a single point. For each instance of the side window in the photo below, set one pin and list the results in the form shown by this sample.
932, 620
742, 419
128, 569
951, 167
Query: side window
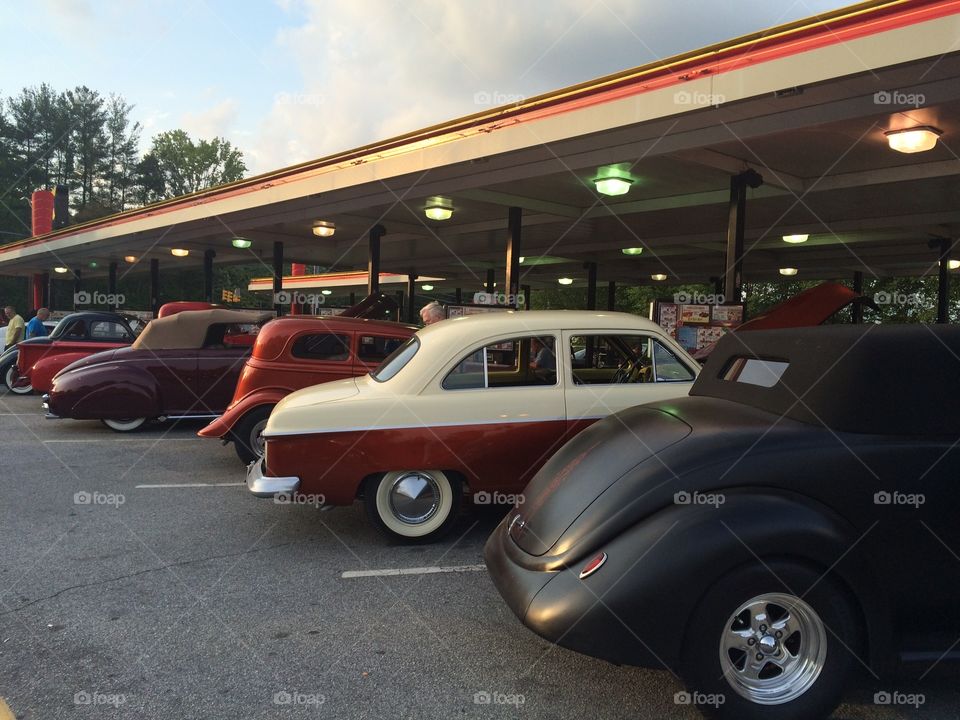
376, 348
108, 330
520, 362
325, 346
667, 367
77, 330
608, 359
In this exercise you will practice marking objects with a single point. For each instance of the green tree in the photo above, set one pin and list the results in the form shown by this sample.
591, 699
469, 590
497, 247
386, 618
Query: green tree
121, 163
88, 138
187, 166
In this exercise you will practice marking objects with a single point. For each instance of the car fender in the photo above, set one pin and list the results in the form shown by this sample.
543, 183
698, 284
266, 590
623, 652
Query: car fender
222, 426
658, 571
105, 392
42, 372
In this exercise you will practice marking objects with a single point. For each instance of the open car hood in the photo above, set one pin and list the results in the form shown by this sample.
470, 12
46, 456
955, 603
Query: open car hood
813, 306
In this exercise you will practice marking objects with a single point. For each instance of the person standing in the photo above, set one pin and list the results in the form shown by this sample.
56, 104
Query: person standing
15, 327
432, 312
36, 328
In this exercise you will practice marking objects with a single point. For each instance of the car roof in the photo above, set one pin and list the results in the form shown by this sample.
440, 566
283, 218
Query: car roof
294, 323
849, 378
188, 329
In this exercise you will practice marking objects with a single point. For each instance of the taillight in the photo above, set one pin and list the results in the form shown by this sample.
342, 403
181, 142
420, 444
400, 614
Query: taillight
591, 567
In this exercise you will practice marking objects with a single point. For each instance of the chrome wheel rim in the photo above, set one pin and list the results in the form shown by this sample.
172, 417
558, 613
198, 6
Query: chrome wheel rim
414, 497
773, 648
256, 437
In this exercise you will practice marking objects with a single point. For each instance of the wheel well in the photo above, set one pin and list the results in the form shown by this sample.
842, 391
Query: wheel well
820, 571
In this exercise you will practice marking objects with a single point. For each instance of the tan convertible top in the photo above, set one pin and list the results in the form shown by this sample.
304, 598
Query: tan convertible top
187, 330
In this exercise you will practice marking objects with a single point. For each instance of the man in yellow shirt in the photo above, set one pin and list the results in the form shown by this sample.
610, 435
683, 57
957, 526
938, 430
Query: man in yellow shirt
15, 327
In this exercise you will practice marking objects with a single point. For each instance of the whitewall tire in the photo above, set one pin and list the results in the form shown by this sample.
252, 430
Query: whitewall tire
413, 505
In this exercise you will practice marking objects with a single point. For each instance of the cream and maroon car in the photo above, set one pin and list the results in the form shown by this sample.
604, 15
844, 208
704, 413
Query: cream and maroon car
475, 404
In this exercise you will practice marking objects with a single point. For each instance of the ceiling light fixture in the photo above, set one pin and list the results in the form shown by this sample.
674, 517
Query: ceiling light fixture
241, 243
60, 269
439, 208
913, 140
427, 287
632, 251
324, 229
130, 258
795, 239
788, 271
179, 252
326, 292
953, 264
659, 277
565, 281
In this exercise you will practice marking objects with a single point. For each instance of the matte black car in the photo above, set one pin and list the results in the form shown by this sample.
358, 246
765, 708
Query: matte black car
794, 518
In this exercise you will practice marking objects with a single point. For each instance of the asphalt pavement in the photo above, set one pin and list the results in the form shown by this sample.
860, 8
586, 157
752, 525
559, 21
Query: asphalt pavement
196, 600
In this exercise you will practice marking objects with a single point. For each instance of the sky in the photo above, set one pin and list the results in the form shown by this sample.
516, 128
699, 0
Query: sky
291, 80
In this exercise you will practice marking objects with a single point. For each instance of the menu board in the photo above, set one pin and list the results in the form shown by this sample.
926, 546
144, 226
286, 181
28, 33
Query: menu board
461, 310
696, 325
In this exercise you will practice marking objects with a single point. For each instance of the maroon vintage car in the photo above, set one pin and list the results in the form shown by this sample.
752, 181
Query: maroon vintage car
295, 352
184, 365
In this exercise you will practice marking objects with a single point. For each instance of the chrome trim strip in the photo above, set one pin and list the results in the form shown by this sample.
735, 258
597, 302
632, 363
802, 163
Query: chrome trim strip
500, 421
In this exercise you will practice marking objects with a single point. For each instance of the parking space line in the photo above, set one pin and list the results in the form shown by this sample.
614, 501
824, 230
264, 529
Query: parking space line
141, 439
188, 485
5, 712
431, 570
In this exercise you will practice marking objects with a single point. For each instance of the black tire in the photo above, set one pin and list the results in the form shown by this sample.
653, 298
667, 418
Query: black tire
243, 433
445, 488
833, 613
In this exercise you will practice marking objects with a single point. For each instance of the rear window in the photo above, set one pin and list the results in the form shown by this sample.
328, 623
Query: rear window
754, 371
397, 360
322, 346
108, 330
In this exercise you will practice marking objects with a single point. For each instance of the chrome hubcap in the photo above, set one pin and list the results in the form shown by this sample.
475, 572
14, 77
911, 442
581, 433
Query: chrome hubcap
256, 437
773, 648
414, 497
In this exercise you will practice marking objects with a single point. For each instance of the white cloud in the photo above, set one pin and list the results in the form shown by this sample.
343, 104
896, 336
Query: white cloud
215, 120
370, 69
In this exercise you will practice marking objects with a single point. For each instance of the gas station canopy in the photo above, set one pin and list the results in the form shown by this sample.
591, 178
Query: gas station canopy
845, 129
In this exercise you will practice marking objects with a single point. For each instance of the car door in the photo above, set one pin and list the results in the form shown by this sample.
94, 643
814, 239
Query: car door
500, 410
610, 370
177, 384
218, 370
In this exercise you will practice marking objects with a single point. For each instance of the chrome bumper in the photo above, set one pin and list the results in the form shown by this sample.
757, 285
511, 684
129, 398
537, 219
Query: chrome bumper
266, 486
46, 406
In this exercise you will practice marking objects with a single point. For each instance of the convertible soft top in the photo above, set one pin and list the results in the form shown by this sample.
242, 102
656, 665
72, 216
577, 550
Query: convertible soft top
888, 380
188, 330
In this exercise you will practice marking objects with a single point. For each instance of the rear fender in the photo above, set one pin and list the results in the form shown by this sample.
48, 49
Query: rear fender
223, 425
100, 392
657, 572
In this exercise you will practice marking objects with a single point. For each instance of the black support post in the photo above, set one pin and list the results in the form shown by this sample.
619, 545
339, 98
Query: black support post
944, 245
45, 291
491, 278
512, 279
591, 268
411, 297
208, 256
154, 286
277, 277
458, 295
736, 219
527, 290
858, 289
373, 259
611, 295
353, 299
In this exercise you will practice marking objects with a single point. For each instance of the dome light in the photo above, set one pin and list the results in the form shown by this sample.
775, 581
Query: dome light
439, 208
324, 229
241, 243
659, 277
953, 264
913, 140
565, 281
179, 252
632, 251
60, 269
326, 292
613, 186
130, 258
521, 259
427, 287
795, 239
788, 271
93, 263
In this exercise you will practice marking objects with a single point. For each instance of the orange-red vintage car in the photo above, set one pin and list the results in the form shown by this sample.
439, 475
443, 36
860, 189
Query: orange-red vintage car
295, 352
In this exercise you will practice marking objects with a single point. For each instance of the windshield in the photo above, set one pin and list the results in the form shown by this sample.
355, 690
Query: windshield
396, 361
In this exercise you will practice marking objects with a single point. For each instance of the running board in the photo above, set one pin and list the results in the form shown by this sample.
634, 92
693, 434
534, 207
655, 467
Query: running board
187, 417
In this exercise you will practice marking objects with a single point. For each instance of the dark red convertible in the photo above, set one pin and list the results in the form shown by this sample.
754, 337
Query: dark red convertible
182, 366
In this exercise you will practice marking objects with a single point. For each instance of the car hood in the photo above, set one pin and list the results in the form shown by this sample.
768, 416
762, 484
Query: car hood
586, 467
297, 412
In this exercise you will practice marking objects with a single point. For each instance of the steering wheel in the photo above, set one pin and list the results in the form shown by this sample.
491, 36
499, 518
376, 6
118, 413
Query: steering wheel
624, 372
